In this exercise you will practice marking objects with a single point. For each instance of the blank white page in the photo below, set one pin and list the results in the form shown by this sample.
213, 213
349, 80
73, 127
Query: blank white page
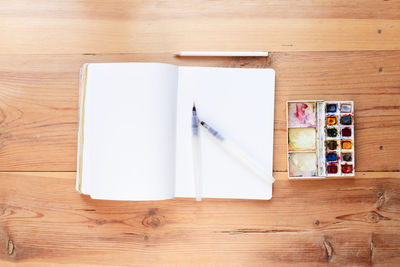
129, 131
239, 103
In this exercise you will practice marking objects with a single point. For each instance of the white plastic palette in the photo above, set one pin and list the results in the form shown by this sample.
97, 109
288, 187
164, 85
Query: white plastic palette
320, 138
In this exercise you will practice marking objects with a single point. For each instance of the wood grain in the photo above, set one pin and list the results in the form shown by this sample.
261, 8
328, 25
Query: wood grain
39, 102
138, 26
347, 221
43, 221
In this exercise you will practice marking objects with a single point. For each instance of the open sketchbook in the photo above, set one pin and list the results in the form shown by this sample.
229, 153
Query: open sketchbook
135, 130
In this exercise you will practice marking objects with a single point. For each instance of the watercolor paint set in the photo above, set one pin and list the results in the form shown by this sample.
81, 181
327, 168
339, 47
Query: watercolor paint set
320, 138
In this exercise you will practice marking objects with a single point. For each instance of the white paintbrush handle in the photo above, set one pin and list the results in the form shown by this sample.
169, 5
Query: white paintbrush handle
197, 167
246, 160
234, 151
220, 54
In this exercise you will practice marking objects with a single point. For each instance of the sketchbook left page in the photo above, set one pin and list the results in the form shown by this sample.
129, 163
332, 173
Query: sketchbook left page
127, 131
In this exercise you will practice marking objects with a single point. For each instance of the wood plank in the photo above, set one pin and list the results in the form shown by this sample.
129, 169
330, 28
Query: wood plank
39, 102
347, 221
163, 9
164, 26
278, 175
64, 36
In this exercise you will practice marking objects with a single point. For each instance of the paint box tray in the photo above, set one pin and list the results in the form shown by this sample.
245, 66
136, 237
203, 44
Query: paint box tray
320, 138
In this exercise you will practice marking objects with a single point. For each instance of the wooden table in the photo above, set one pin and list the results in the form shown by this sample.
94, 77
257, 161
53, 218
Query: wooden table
333, 50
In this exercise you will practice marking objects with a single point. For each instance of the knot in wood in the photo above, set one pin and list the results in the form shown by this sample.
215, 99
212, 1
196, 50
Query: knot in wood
153, 220
10, 247
328, 249
373, 217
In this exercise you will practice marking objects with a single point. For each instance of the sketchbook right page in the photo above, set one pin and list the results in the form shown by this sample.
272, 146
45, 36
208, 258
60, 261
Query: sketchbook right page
239, 103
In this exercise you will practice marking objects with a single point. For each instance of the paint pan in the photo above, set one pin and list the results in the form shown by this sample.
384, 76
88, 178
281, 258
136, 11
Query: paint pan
346, 119
347, 144
347, 168
332, 169
346, 107
347, 132
347, 157
331, 156
332, 132
331, 120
